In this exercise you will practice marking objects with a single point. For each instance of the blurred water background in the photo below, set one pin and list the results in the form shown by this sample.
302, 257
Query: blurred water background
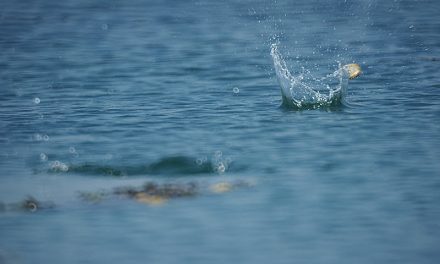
100, 94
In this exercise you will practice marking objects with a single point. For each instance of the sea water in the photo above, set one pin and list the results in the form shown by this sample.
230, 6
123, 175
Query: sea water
101, 95
306, 90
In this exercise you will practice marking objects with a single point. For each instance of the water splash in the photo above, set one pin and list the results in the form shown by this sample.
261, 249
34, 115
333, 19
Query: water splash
305, 90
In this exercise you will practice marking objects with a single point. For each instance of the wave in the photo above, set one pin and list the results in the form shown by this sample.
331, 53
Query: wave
305, 90
173, 165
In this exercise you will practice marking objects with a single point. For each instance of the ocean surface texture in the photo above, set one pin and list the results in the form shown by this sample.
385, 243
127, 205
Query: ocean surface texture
153, 132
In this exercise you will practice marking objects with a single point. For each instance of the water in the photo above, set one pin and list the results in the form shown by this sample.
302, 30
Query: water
100, 95
306, 90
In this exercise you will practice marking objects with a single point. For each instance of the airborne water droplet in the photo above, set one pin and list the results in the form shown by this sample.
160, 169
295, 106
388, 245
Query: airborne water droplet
38, 137
221, 168
58, 166
37, 100
43, 157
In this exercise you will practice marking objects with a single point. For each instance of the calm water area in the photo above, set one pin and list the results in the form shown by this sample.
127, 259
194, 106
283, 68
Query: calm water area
99, 95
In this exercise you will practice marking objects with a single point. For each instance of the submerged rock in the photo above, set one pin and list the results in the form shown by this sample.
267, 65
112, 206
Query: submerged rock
30, 204
151, 193
93, 197
222, 187
154, 193
150, 199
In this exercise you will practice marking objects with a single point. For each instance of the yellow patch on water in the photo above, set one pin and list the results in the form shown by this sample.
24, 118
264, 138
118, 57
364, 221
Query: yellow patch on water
150, 199
221, 187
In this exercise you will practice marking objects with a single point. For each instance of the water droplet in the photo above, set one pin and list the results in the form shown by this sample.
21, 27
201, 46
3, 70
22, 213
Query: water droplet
104, 26
64, 167
221, 168
72, 150
37, 100
38, 137
59, 166
199, 161
32, 207
43, 157
46, 138
236, 90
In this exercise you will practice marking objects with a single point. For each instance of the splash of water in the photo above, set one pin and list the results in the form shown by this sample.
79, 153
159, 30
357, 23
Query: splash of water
305, 90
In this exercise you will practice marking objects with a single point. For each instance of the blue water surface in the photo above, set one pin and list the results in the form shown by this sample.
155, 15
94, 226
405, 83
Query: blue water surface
96, 95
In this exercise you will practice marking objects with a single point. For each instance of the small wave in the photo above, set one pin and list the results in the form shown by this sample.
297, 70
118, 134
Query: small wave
174, 165
305, 90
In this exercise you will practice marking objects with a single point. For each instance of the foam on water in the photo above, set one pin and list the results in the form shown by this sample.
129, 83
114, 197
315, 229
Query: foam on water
306, 90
